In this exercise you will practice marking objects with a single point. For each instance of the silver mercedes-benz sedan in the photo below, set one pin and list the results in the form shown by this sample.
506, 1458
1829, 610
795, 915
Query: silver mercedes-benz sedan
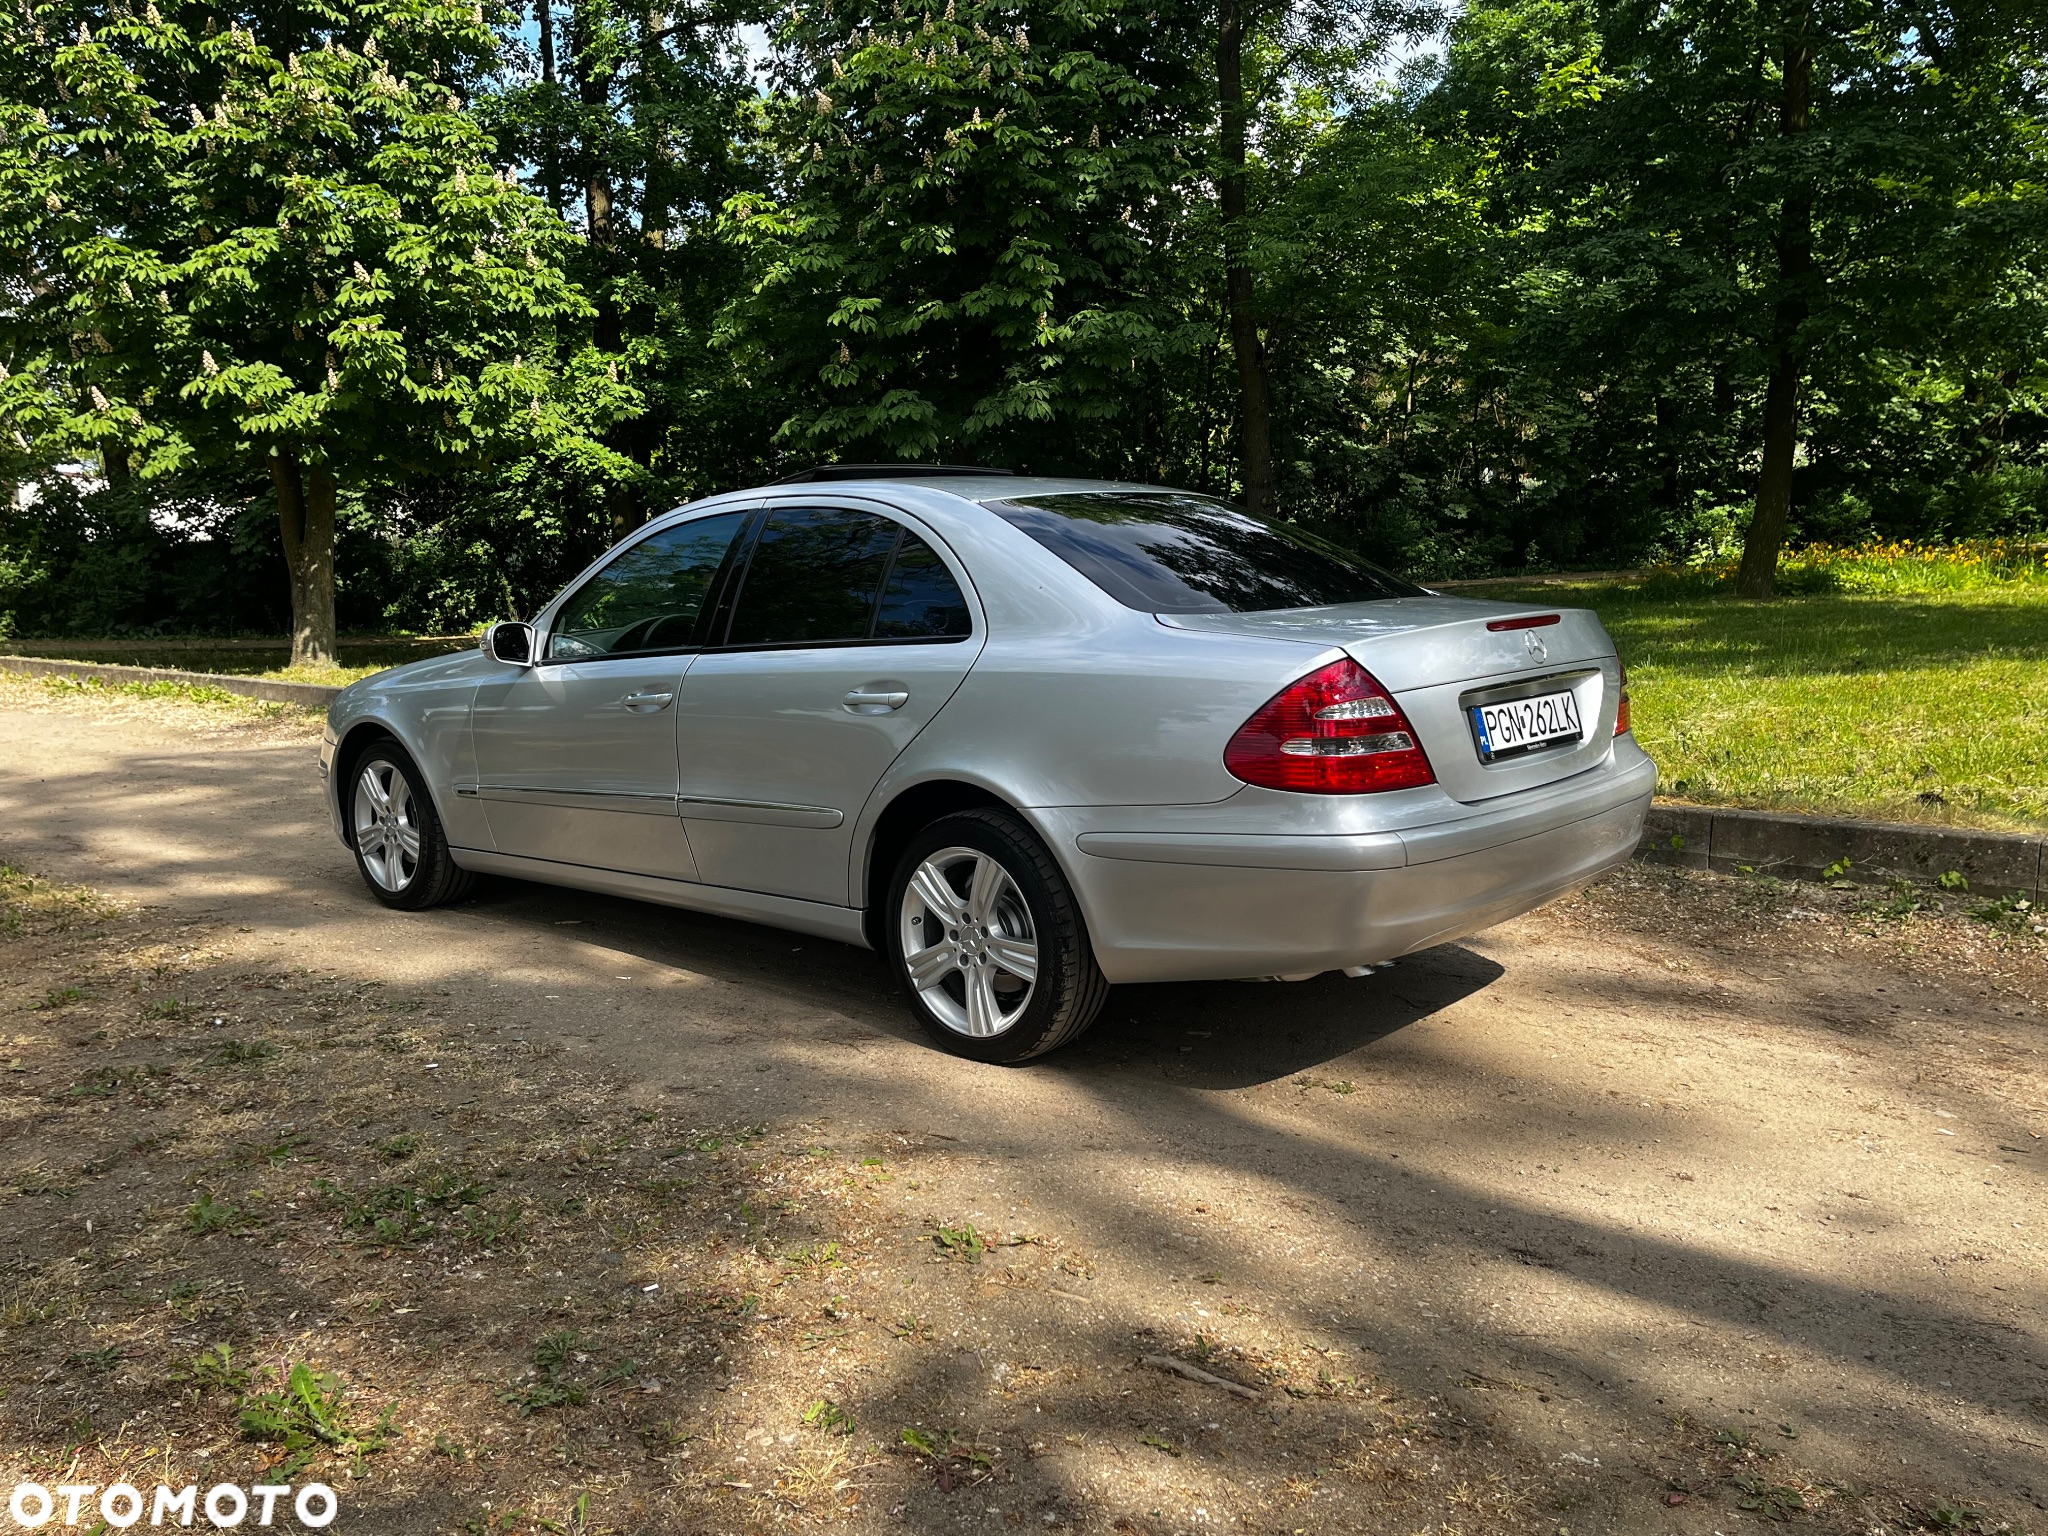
1025, 737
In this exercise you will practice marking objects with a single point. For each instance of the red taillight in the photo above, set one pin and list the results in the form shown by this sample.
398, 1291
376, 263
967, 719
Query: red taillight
1334, 732
1531, 621
1621, 709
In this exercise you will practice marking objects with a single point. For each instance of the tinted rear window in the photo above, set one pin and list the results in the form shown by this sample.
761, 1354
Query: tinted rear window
921, 601
832, 576
813, 577
1168, 552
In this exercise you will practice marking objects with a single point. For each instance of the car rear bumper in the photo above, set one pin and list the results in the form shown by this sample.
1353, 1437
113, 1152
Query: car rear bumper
1174, 904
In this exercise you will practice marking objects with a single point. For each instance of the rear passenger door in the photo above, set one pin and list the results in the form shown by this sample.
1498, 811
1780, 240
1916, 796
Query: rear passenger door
839, 637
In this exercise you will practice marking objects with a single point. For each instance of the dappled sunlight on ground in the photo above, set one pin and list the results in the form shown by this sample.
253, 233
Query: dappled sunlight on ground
1672, 1207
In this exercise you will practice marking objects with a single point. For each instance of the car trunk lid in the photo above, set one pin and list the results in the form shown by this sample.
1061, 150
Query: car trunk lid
1439, 656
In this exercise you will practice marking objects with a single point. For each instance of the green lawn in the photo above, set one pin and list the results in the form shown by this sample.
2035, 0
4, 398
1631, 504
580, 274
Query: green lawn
1916, 689
1901, 704
358, 657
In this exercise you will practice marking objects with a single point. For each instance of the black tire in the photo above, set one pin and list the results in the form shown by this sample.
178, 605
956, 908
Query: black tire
1068, 989
431, 878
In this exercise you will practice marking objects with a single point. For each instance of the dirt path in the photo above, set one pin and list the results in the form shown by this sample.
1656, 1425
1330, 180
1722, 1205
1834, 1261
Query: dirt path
1687, 1173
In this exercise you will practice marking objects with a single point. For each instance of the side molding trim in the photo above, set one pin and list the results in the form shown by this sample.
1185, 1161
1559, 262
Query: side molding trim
816, 918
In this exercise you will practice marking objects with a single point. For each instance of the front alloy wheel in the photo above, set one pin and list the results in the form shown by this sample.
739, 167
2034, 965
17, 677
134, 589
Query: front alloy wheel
400, 847
387, 833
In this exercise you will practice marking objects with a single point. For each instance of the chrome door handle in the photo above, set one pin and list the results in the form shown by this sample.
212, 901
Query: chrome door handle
647, 703
861, 699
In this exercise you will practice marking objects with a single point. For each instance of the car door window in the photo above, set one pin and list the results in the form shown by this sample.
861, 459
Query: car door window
921, 600
650, 597
813, 578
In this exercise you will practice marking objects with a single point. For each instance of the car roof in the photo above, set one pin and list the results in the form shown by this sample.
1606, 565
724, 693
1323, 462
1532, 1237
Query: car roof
938, 494
968, 487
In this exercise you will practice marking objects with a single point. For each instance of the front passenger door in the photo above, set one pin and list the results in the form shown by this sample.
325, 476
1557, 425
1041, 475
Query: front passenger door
847, 632
576, 756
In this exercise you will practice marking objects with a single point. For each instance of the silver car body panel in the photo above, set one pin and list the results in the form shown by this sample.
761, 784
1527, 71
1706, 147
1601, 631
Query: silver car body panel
779, 753
569, 770
820, 919
1102, 726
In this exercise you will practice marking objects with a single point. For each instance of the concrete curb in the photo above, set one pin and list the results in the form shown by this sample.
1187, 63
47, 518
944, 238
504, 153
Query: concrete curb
306, 695
1805, 847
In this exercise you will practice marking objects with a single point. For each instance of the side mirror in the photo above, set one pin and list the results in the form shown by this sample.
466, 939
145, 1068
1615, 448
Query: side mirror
510, 642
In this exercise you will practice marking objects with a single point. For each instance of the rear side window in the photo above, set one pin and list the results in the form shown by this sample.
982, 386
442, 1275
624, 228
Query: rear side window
1169, 552
649, 597
921, 600
826, 575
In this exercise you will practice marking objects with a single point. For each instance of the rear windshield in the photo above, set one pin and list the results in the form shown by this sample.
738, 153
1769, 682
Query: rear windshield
1168, 552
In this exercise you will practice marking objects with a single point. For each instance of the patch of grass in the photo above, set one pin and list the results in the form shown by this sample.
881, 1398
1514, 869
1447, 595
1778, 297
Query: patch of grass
955, 1460
206, 694
285, 1147
41, 1179
105, 1082
215, 1370
1888, 696
444, 1202
246, 1053
356, 656
829, 1416
553, 1383
325, 677
305, 1412
1339, 1086
1767, 1500
961, 1242
207, 1214
31, 904
1950, 1515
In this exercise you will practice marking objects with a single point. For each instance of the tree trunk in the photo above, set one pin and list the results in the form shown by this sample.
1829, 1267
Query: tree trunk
1255, 410
1758, 574
305, 515
595, 96
657, 178
1668, 493
550, 158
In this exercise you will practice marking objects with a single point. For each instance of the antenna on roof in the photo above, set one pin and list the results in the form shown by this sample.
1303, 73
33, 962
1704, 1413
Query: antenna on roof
823, 472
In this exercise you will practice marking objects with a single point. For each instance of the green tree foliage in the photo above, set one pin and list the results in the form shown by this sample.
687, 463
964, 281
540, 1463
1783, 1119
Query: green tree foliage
1595, 282
273, 238
1784, 236
640, 121
971, 244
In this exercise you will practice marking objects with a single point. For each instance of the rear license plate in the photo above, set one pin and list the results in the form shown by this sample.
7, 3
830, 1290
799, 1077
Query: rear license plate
1515, 726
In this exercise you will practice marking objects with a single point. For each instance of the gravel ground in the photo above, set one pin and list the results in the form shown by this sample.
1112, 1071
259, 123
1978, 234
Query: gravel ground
1686, 1203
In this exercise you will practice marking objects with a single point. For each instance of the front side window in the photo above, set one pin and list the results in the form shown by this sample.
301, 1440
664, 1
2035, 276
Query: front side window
831, 575
650, 597
1173, 552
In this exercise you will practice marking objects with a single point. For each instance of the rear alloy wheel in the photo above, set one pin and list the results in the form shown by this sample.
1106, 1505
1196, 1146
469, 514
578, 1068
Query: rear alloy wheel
987, 938
399, 845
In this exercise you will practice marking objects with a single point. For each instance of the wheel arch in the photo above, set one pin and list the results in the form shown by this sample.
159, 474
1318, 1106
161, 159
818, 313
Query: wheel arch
914, 807
357, 739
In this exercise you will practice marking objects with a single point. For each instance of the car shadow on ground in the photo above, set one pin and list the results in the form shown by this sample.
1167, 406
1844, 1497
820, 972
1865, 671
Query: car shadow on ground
1215, 1035
1235, 1034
